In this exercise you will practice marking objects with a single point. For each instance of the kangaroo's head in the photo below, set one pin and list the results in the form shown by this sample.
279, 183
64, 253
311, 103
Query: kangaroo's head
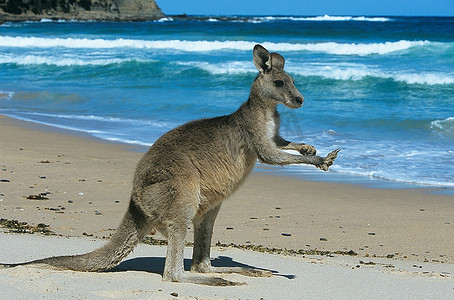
273, 83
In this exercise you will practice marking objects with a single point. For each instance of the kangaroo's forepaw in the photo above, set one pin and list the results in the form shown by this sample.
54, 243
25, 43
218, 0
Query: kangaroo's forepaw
307, 150
329, 160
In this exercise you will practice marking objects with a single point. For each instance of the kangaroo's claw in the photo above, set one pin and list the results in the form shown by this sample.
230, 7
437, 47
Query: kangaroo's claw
329, 160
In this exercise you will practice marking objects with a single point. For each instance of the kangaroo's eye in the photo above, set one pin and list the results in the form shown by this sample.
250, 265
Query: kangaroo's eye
279, 83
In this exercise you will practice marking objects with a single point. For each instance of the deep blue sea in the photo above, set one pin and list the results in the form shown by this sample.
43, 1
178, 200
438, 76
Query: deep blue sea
380, 88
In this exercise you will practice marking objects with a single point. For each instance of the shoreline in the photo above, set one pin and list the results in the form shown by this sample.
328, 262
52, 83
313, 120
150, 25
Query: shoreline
89, 181
367, 182
308, 173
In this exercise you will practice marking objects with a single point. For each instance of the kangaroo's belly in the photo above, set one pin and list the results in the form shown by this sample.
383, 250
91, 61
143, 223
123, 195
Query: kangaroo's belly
222, 174
211, 150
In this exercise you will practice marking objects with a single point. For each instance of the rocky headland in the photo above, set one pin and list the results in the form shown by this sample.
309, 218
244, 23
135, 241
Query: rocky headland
96, 10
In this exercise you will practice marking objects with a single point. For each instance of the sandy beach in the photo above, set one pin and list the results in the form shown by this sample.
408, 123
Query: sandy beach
295, 277
87, 184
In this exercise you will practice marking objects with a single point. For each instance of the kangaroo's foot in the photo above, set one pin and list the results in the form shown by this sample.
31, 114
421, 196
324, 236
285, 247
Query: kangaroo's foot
243, 271
204, 280
203, 268
328, 160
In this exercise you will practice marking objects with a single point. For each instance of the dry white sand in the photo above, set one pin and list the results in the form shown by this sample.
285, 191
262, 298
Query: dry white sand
139, 275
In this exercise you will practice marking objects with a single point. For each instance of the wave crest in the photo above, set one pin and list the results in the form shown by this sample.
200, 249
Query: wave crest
63, 62
205, 46
324, 18
348, 71
359, 72
444, 127
330, 18
4, 95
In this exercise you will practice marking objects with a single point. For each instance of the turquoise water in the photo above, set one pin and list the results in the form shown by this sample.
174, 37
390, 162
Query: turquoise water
380, 88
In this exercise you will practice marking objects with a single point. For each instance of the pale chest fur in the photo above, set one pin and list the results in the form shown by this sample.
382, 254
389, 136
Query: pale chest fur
271, 125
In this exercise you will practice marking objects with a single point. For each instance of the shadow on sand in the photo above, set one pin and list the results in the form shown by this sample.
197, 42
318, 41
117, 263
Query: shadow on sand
156, 265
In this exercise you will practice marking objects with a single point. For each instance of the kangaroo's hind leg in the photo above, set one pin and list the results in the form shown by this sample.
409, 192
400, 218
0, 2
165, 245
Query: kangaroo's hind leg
203, 230
181, 210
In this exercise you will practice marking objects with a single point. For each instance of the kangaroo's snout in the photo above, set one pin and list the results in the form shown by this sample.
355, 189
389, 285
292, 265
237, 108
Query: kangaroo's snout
295, 101
299, 100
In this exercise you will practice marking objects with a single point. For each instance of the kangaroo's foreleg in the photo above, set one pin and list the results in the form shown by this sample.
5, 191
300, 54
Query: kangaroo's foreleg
302, 148
272, 155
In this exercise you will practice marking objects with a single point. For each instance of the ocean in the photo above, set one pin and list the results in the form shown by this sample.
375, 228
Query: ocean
379, 88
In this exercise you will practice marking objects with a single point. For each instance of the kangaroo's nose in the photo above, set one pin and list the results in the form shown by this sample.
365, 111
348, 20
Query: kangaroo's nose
299, 100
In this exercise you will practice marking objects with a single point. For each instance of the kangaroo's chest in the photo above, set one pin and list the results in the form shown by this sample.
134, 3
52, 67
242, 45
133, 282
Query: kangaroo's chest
271, 122
270, 128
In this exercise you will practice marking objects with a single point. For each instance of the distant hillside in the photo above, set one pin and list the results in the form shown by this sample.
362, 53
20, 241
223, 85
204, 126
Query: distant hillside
109, 10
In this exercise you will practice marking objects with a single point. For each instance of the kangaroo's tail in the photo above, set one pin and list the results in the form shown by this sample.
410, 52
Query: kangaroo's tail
131, 230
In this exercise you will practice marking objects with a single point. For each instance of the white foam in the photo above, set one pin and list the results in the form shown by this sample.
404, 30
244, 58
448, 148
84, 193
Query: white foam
72, 128
203, 45
398, 178
424, 78
231, 67
359, 72
106, 135
125, 141
332, 71
63, 61
345, 18
326, 18
135, 122
5, 95
444, 126
165, 19
358, 49
339, 71
193, 46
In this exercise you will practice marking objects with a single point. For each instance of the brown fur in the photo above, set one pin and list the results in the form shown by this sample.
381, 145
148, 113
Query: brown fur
190, 170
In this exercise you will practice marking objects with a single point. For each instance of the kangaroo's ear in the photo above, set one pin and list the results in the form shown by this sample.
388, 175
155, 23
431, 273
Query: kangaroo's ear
262, 59
277, 61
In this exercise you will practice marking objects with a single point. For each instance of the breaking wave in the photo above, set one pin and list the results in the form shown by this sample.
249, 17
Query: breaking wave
62, 61
444, 127
352, 72
325, 18
360, 49
5, 95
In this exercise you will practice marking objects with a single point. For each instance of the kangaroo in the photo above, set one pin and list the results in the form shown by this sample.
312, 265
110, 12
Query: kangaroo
190, 170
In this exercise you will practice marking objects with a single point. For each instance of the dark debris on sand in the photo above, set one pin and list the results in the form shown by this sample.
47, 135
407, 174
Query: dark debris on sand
14, 226
151, 241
